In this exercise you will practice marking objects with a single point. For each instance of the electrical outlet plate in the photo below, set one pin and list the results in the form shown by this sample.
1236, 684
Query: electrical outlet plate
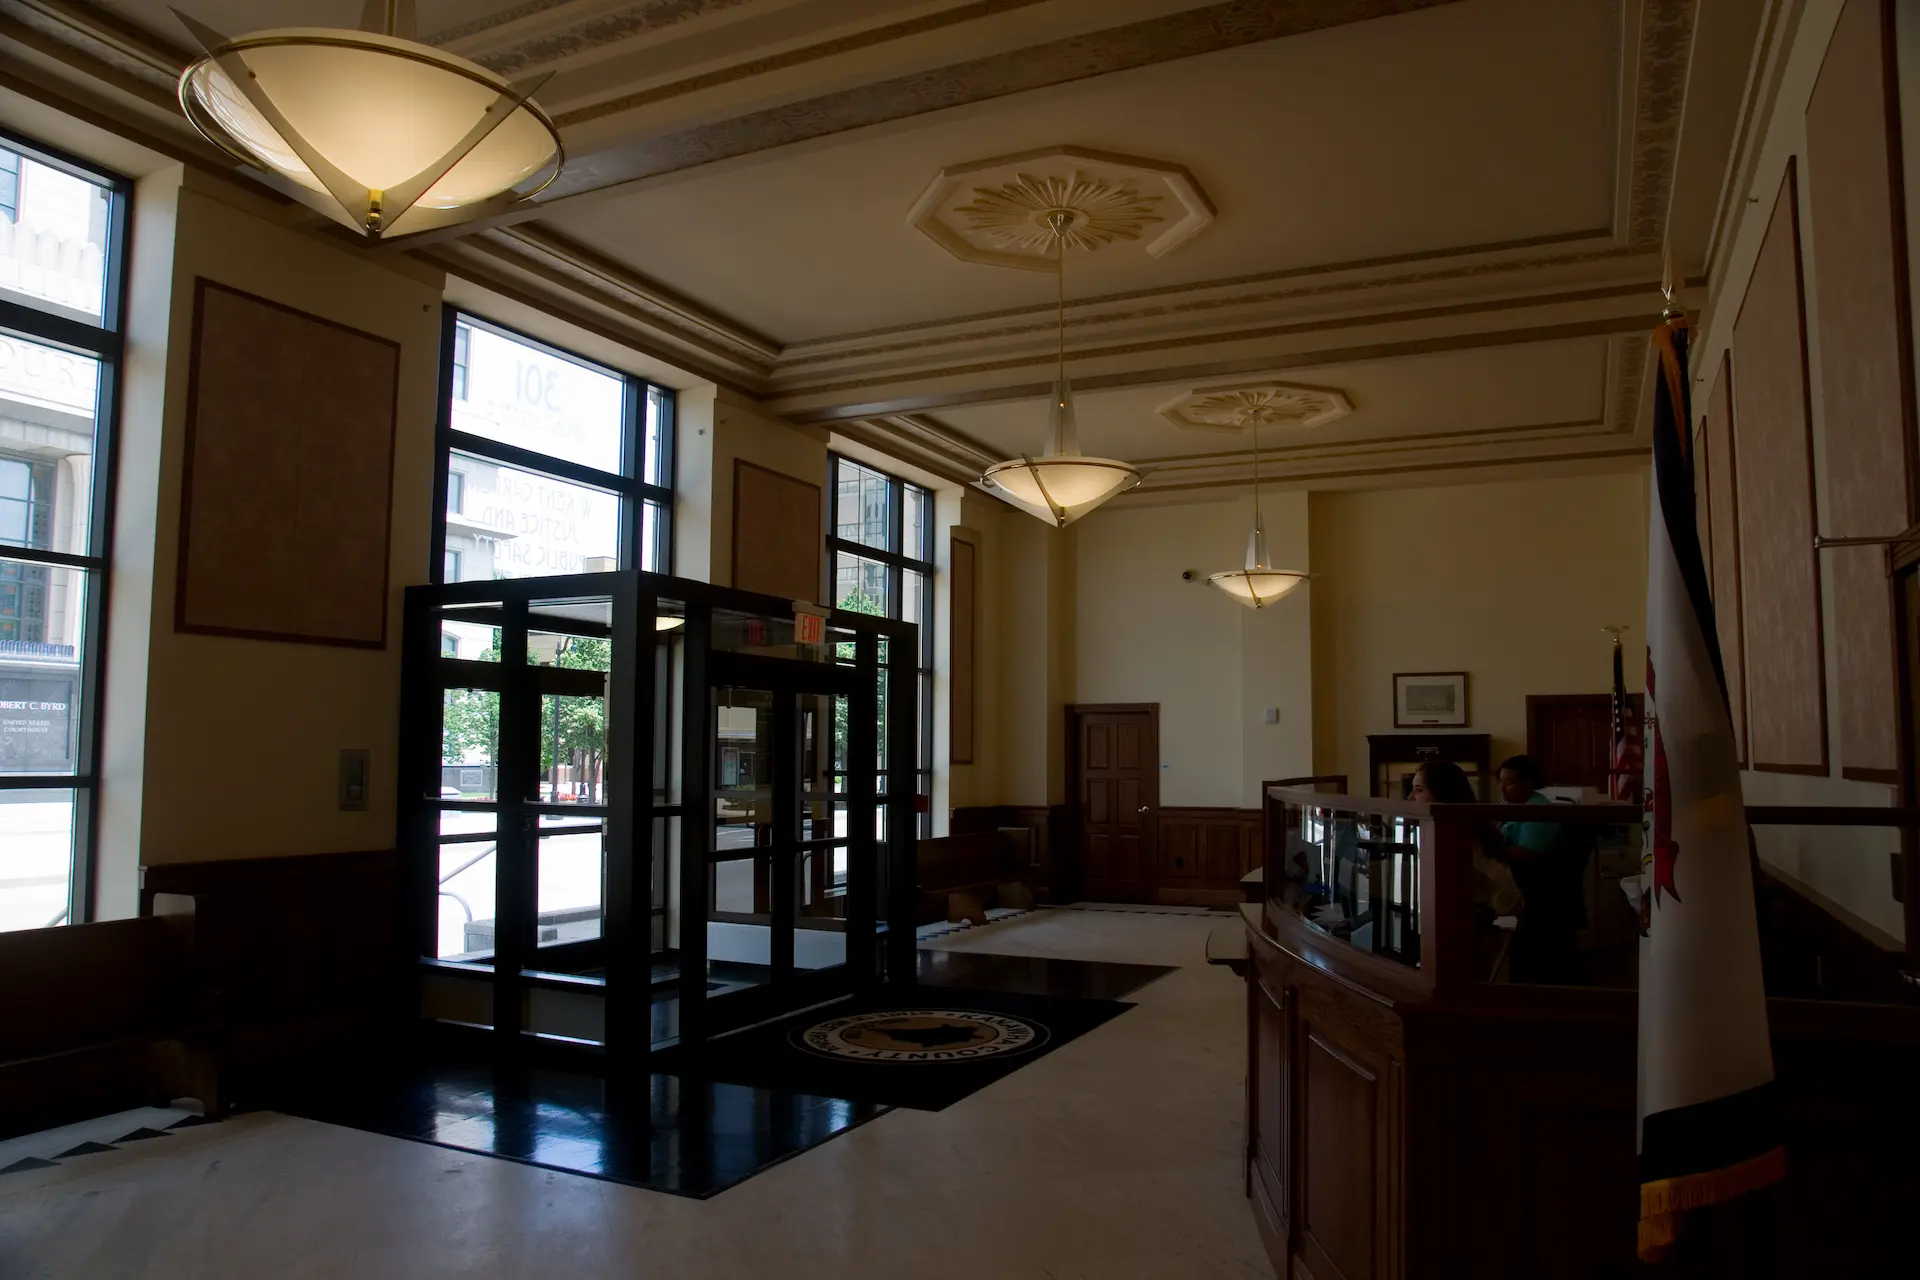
354, 771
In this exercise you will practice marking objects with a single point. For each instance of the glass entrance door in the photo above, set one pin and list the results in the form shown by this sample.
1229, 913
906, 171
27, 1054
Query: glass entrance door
780, 876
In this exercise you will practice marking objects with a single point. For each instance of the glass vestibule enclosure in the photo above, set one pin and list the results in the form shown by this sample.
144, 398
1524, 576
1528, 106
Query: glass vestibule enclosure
636, 812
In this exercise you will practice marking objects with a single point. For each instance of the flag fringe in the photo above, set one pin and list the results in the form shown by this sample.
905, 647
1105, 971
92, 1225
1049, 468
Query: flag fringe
1665, 1202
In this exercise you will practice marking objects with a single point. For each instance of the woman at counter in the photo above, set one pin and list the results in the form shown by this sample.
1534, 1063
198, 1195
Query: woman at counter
1443, 782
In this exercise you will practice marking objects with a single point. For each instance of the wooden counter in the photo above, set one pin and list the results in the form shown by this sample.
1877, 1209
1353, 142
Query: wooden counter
1403, 1129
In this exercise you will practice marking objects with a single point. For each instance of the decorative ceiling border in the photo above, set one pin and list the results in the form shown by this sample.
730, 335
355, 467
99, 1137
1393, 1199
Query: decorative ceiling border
584, 35
1193, 303
1628, 458
497, 19
1169, 38
1665, 53
101, 45
1159, 346
800, 354
788, 59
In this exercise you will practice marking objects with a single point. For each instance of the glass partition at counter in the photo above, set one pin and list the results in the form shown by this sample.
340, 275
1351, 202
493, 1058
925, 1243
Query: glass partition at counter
1547, 894
1351, 875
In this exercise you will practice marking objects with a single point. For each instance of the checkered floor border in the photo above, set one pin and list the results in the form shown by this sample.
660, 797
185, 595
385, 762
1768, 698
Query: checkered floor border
941, 928
49, 1148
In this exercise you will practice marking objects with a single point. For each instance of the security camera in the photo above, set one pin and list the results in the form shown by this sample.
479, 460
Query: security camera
1186, 575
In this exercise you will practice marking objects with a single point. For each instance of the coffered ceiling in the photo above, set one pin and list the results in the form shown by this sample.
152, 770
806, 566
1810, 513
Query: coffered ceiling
1451, 211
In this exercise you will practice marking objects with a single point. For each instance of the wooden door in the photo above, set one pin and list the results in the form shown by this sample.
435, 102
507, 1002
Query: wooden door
1570, 736
1116, 789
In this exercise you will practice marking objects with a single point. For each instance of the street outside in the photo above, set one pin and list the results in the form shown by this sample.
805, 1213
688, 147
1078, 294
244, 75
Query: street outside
36, 848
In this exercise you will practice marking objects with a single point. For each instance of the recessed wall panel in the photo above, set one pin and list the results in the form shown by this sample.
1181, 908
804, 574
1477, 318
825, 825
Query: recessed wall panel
1723, 508
1773, 468
1855, 246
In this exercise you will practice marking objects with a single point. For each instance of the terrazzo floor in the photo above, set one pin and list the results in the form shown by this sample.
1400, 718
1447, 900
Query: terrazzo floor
1115, 1156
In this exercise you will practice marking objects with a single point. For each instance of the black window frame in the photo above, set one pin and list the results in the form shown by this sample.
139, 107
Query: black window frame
897, 562
628, 484
103, 341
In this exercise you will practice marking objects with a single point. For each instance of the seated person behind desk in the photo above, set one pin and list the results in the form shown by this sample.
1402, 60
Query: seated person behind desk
1548, 868
1494, 887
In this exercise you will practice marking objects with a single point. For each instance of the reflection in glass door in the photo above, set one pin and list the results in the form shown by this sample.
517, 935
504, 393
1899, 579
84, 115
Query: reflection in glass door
781, 863
820, 923
740, 906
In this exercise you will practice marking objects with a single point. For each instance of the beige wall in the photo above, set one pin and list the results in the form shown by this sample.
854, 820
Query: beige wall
1509, 582
236, 742
1213, 666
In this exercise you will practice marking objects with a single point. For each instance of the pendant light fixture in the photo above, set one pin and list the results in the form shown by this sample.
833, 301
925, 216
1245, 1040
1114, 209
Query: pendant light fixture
374, 129
1259, 584
1062, 484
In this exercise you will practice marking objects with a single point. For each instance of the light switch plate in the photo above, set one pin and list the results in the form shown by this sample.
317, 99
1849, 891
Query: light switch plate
354, 770
1272, 715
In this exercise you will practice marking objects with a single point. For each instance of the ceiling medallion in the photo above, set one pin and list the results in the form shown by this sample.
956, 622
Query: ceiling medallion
1000, 211
1232, 408
1015, 215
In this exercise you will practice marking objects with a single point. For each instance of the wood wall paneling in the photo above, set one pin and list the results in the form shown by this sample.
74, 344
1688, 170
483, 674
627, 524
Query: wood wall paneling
961, 711
286, 500
1856, 236
1724, 509
1780, 572
777, 542
1339, 1139
1202, 854
1268, 1089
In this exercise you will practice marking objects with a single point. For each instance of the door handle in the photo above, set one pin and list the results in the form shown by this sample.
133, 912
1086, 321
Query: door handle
1146, 808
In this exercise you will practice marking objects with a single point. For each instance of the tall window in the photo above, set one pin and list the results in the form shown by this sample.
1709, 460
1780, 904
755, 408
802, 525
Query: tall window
882, 547
549, 463
62, 233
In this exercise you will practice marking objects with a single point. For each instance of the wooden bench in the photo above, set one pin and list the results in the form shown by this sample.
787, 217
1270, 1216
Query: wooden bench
961, 876
97, 1018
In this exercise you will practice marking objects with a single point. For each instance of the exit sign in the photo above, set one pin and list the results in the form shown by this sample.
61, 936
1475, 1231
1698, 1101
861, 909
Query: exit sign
809, 628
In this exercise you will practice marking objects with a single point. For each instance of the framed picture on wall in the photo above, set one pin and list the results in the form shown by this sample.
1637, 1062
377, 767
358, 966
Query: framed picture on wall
1429, 699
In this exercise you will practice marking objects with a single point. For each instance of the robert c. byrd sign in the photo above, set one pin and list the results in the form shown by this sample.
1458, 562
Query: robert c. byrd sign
36, 722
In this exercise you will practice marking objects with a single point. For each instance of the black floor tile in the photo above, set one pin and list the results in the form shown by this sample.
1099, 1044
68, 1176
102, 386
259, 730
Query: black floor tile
681, 1136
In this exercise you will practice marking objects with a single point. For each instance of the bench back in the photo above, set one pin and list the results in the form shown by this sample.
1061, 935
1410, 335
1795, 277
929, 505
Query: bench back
87, 984
947, 863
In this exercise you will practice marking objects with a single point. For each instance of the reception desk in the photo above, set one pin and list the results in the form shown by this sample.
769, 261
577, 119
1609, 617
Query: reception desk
1409, 1115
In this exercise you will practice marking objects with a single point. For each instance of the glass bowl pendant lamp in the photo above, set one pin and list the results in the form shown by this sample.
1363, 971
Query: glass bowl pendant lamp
1062, 484
1259, 584
372, 128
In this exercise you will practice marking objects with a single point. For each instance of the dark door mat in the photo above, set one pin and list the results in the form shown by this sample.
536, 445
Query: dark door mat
1035, 975
925, 1050
685, 1137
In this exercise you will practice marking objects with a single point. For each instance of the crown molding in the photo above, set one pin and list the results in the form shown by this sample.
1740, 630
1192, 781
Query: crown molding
663, 306
1255, 351
531, 283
